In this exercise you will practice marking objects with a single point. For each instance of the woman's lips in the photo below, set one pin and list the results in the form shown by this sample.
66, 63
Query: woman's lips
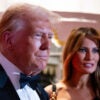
88, 65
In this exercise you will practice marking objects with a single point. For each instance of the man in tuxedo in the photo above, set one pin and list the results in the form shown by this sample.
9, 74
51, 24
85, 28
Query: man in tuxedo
25, 39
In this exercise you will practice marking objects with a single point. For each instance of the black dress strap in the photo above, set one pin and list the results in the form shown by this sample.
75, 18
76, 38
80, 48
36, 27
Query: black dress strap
54, 88
54, 92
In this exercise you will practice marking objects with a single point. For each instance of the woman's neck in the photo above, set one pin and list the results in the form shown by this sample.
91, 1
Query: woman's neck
79, 81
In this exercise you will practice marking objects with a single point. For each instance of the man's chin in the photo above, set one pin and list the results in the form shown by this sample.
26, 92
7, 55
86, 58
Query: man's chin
38, 68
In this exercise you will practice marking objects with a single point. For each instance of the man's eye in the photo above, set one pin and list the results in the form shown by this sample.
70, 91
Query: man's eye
50, 36
37, 35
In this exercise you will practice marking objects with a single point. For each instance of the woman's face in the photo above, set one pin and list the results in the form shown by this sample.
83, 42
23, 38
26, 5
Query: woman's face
86, 58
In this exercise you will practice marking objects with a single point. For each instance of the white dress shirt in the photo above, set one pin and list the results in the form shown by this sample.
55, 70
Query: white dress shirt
13, 73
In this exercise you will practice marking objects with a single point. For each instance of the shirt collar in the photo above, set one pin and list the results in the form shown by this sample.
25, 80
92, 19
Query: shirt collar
12, 71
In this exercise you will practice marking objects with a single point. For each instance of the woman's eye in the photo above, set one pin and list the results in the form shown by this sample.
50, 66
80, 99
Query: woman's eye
95, 50
82, 50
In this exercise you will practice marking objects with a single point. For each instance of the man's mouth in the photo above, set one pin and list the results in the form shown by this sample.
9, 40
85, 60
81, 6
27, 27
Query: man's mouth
43, 57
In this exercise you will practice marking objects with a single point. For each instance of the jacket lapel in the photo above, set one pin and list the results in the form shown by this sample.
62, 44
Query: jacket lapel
7, 91
42, 94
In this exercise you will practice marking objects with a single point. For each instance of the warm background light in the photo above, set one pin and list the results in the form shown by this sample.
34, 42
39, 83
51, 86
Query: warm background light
87, 6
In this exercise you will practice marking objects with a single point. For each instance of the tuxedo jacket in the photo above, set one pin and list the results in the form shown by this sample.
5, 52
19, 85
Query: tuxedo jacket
7, 91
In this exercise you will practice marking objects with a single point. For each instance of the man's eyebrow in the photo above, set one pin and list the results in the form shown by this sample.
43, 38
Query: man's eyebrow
40, 31
51, 33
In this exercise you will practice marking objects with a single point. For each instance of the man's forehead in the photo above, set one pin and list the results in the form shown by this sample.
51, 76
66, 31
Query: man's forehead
44, 30
42, 26
41, 23
36, 26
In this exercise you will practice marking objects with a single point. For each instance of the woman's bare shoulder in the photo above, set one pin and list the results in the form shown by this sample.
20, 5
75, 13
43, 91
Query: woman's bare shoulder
59, 85
48, 89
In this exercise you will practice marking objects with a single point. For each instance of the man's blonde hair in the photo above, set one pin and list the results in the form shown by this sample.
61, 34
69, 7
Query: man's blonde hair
26, 12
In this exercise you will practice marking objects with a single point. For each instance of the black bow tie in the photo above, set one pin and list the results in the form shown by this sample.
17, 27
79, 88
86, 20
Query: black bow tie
31, 80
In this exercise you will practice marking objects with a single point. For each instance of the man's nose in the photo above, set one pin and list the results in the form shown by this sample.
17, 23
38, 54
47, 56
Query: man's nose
45, 44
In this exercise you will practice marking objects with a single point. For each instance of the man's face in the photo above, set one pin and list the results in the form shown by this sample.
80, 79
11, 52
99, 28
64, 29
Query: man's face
31, 47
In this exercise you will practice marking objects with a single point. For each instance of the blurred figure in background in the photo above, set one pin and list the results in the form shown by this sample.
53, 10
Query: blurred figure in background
1, 14
81, 67
25, 40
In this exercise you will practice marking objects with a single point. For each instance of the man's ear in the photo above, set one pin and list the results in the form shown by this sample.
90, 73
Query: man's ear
6, 39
